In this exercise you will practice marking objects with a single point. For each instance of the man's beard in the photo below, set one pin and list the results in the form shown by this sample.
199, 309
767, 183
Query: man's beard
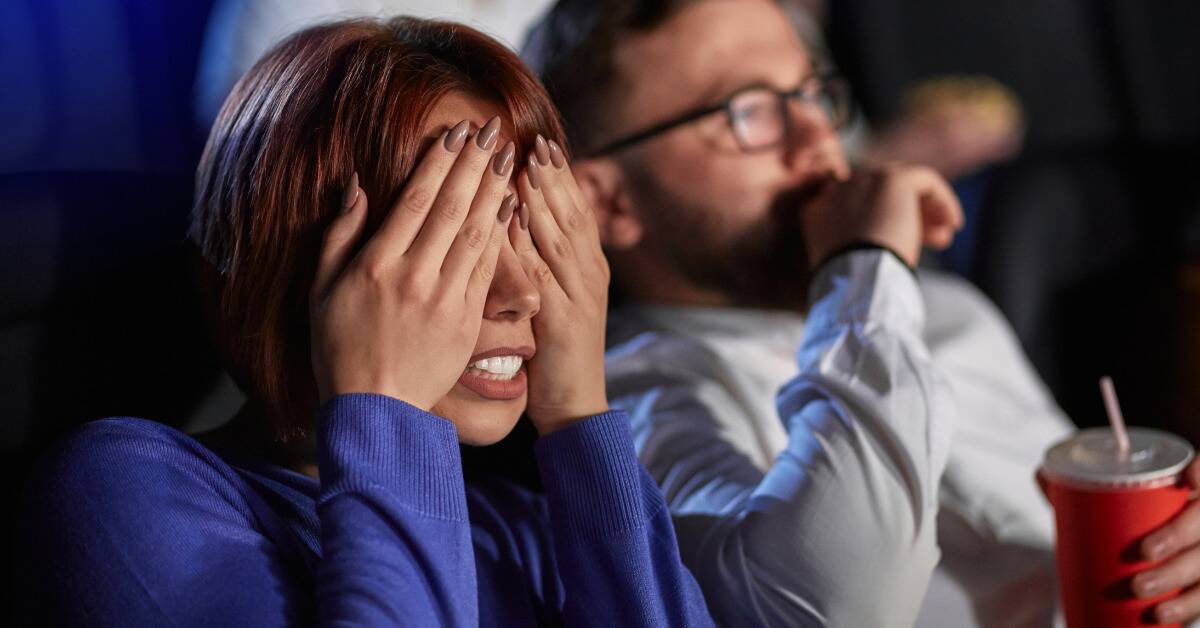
764, 267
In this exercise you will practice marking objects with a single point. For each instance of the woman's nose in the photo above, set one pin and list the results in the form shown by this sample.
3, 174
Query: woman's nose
512, 296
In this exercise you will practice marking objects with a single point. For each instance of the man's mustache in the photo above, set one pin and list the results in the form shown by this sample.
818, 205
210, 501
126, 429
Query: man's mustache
789, 205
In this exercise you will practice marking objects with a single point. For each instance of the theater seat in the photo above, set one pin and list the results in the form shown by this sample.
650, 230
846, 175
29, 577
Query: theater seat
97, 313
1083, 253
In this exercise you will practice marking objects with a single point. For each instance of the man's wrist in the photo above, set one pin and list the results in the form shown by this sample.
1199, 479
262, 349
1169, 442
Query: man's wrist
859, 245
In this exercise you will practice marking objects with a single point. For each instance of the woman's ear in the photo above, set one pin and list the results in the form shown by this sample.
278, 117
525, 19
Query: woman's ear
603, 185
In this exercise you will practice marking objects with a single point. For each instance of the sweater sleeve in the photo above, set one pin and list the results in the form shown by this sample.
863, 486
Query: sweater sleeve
613, 537
395, 536
131, 523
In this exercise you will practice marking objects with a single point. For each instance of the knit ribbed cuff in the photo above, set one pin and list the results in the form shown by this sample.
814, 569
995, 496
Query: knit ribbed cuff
367, 443
592, 475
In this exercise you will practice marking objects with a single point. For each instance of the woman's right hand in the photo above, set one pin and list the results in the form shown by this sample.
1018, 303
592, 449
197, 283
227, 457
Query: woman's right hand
401, 317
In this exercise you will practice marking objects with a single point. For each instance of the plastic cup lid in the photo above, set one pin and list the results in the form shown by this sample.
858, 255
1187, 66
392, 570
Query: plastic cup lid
1090, 457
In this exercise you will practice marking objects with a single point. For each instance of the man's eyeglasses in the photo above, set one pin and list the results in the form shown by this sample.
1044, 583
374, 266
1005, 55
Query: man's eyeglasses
758, 114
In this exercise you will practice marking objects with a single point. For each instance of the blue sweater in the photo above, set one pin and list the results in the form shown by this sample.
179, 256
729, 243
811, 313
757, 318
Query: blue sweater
133, 523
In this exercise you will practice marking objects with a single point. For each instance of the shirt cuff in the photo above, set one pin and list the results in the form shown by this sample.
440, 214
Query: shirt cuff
592, 475
367, 442
862, 286
861, 245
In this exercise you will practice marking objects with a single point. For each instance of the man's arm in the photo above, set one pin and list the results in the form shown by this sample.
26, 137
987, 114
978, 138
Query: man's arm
841, 530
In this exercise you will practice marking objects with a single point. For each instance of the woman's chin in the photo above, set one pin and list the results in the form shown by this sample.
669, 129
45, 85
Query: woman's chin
483, 436
480, 422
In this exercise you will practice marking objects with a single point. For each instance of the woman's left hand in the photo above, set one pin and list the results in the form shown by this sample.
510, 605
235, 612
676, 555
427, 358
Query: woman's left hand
558, 243
1177, 546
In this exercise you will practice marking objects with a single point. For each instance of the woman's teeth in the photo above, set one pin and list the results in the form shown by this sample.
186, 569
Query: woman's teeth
500, 367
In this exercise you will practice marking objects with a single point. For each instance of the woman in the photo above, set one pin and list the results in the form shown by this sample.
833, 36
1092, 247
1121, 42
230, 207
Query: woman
385, 288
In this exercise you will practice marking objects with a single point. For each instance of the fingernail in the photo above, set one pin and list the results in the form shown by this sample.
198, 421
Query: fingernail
557, 156
503, 161
523, 216
1168, 613
457, 136
542, 150
507, 207
1157, 549
532, 172
1147, 587
488, 134
351, 193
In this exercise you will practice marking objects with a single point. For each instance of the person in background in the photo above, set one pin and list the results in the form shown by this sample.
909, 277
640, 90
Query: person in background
782, 382
957, 124
961, 124
389, 278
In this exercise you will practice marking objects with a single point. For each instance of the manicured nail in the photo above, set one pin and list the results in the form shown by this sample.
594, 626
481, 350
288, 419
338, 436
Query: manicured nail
1168, 613
523, 216
503, 161
1147, 587
351, 194
486, 138
507, 207
542, 150
457, 137
557, 156
533, 172
1157, 549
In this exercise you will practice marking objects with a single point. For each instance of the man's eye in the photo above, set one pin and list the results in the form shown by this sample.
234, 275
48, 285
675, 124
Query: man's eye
750, 113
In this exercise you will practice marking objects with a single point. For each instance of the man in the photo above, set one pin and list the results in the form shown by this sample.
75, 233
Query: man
706, 144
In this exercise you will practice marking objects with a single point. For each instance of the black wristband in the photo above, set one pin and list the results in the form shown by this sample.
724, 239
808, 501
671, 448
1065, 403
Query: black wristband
860, 245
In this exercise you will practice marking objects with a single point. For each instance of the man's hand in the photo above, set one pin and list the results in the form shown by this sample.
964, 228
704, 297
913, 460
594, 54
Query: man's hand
898, 206
1177, 545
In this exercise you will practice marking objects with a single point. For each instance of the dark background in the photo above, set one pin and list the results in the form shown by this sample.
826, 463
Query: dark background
1088, 240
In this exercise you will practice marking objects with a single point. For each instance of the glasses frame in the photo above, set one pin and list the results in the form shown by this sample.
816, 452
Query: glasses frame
798, 94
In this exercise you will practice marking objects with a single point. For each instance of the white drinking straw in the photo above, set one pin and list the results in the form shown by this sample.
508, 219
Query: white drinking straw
1114, 416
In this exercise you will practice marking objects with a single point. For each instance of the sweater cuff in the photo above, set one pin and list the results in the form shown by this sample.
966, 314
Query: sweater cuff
368, 442
592, 475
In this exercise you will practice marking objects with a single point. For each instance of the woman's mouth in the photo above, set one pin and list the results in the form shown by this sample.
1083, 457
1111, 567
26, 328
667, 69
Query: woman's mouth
497, 374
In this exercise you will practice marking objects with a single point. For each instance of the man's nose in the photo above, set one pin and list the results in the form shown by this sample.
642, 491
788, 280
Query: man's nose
811, 142
512, 296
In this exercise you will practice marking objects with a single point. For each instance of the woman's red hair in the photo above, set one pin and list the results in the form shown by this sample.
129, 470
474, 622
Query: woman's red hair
331, 100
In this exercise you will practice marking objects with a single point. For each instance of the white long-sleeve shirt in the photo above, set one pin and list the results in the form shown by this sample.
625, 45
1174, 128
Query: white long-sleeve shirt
808, 463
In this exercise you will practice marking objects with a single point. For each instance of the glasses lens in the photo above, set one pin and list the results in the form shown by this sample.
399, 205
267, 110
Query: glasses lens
757, 117
831, 95
834, 99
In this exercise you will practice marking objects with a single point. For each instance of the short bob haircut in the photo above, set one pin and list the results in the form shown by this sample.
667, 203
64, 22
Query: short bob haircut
328, 101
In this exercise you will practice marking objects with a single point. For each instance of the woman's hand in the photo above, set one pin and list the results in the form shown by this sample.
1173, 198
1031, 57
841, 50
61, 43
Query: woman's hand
564, 261
402, 316
1177, 544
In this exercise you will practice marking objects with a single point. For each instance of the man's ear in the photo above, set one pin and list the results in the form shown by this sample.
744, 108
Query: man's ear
604, 186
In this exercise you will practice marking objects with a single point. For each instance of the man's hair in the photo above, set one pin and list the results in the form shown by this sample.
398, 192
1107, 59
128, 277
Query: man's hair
572, 49
331, 100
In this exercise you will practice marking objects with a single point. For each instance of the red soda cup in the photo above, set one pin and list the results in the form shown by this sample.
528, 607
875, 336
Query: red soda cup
1104, 505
